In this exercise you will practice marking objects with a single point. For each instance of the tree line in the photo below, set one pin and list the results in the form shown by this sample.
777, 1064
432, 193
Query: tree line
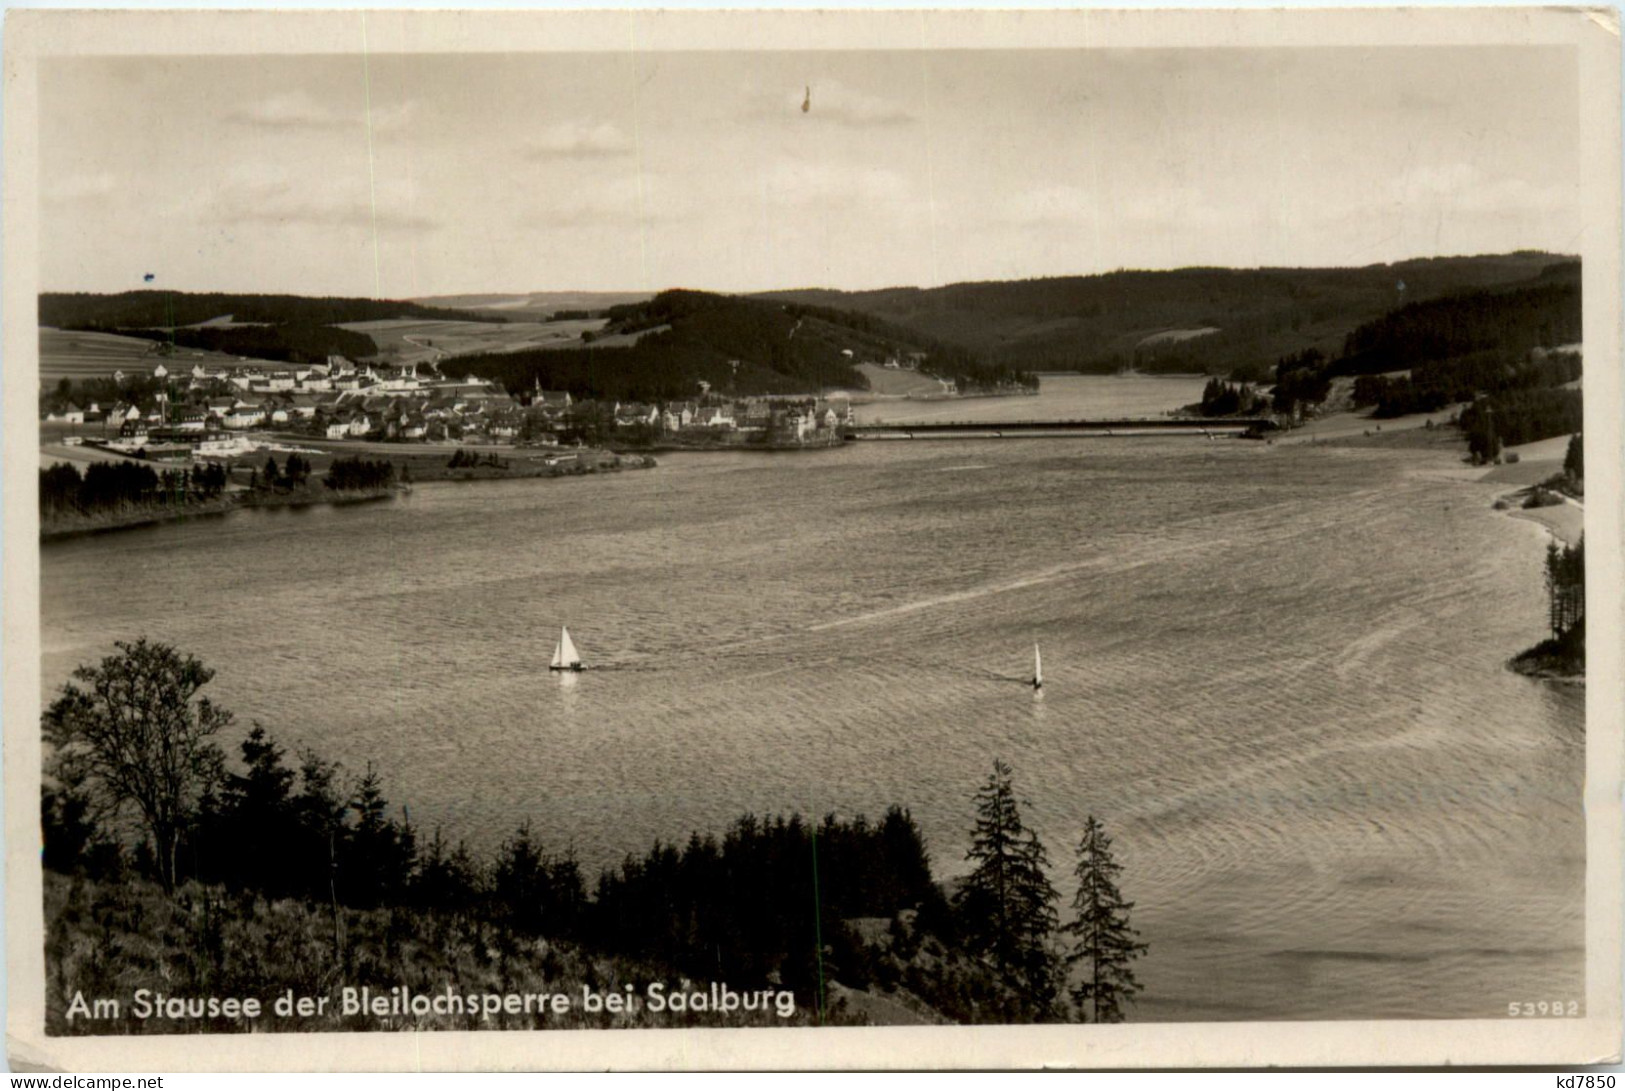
154, 308
1432, 385
121, 485
1562, 654
137, 388
1519, 416
134, 759
294, 342
292, 474
359, 473
1510, 320
1565, 588
1485, 347
1222, 399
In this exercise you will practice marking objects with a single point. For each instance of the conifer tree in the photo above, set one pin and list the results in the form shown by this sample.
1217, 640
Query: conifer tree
1007, 905
1574, 458
1105, 943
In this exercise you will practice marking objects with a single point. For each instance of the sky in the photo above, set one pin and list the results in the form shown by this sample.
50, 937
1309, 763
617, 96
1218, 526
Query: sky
431, 174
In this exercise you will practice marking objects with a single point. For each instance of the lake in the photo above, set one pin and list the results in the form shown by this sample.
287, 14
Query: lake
1060, 397
1274, 673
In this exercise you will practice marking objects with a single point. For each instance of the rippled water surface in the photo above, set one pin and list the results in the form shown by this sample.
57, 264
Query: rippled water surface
1060, 397
1274, 673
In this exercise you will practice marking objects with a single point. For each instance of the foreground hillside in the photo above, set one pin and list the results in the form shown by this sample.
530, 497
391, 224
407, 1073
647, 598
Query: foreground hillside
114, 940
1220, 321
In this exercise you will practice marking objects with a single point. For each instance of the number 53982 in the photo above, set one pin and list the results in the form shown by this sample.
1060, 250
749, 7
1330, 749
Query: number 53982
1535, 1009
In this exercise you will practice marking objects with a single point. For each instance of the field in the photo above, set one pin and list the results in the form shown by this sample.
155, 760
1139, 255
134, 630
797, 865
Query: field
896, 381
534, 305
1175, 336
76, 354
413, 340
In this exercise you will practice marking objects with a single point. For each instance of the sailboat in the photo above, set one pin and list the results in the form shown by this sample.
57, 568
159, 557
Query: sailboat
564, 656
1038, 669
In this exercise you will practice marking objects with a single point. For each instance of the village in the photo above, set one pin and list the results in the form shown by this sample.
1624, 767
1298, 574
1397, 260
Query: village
230, 411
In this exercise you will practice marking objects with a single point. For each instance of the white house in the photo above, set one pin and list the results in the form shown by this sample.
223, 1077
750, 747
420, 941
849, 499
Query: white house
244, 416
711, 416
629, 414
677, 416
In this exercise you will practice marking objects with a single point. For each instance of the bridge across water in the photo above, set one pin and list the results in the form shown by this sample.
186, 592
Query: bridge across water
1029, 429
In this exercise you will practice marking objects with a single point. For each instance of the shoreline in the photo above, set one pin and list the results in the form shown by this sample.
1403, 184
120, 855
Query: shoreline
90, 526
85, 526
1564, 524
771, 446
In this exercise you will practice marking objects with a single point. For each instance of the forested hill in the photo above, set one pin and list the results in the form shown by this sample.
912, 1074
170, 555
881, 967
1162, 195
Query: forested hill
1220, 321
1540, 313
153, 309
734, 345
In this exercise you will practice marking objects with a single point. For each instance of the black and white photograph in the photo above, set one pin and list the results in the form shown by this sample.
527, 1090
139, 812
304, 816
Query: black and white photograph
563, 524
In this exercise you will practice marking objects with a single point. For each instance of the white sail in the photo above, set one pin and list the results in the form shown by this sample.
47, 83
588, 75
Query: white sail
565, 654
1038, 667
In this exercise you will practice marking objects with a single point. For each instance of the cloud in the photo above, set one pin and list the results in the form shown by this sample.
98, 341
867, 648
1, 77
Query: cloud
804, 184
1465, 189
620, 200
1045, 206
293, 110
296, 110
579, 140
283, 201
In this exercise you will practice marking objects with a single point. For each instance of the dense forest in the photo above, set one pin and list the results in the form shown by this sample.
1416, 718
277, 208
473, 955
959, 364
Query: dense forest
358, 473
294, 342
121, 486
158, 309
125, 492
144, 813
1112, 322
1485, 347
1511, 321
732, 345
1493, 348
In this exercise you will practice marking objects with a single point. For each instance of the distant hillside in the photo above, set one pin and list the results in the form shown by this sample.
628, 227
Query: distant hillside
535, 306
300, 329
1504, 349
1219, 321
735, 345
1543, 312
153, 309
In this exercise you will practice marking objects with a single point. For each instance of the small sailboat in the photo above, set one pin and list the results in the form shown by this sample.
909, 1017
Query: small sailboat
564, 655
1038, 669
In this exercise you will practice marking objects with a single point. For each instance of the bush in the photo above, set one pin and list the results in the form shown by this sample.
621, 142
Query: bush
1541, 498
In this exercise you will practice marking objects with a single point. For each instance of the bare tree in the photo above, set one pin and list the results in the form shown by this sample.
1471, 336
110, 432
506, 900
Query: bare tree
138, 735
